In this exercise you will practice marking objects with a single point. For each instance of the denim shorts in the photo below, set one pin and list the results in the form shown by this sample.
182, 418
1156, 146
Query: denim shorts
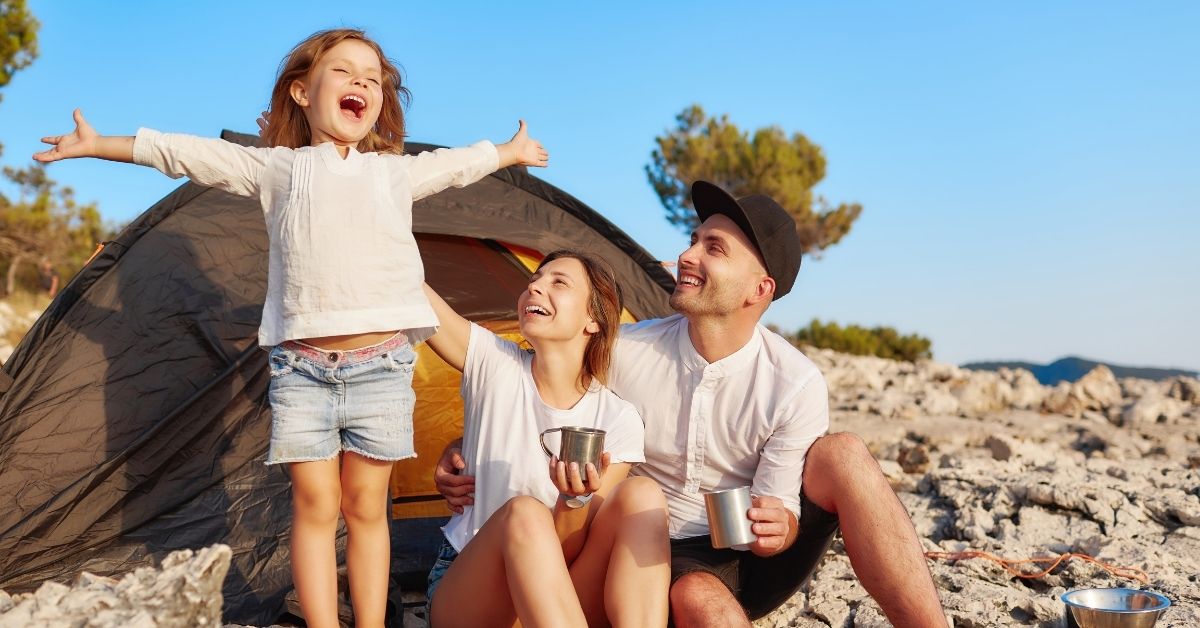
326, 402
446, 555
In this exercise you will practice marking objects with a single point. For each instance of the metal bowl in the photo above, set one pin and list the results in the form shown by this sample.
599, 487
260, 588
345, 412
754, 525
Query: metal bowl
1113, 608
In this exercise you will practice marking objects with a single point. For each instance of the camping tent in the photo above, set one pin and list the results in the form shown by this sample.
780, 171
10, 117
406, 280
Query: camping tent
133, 415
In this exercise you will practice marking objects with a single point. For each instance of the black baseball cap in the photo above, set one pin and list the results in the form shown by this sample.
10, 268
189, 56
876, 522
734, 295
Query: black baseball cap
771, 229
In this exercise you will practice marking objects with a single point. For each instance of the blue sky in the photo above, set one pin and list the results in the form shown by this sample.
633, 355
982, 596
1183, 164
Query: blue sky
1029, 171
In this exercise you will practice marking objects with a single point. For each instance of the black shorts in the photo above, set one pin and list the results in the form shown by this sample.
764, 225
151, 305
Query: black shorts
761, 584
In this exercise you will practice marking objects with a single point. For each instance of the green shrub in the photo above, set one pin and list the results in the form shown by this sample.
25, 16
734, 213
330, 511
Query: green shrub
884, 342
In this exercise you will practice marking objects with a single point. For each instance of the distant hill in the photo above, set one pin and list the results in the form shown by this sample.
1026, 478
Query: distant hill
1070, 369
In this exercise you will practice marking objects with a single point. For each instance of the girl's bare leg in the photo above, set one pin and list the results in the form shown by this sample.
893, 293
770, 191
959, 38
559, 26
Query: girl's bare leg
624, 570
365, 505
512, 570
316, 496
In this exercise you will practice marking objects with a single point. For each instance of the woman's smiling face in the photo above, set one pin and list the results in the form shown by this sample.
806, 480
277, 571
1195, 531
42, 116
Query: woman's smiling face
555, 305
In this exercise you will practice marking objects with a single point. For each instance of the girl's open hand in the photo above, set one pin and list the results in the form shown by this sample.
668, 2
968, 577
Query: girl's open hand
568, 477
523, 150
79, 143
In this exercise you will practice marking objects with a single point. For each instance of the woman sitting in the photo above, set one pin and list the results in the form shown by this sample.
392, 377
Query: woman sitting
549, 544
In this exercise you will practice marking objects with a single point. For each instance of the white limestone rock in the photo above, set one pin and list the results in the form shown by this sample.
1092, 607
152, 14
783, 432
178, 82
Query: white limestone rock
185, 591
1154, 407
1098, 390
1185, 389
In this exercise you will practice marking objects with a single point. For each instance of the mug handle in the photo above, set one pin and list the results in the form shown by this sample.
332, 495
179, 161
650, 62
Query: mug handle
542, 441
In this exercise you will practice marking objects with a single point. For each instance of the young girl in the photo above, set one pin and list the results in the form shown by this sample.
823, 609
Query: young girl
542, 545
344, 300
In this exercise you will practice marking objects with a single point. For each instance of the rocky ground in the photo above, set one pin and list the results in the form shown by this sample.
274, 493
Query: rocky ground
185, 591
995, 462
983, 461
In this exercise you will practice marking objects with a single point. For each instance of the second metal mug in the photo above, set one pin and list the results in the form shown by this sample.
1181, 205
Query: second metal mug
578, 444
728, 524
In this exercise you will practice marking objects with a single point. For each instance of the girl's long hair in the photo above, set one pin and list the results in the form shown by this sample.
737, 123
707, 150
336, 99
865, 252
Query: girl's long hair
604, 307
286, 124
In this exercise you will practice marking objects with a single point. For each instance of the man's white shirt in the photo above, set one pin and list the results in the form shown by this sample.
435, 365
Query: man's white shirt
745, 420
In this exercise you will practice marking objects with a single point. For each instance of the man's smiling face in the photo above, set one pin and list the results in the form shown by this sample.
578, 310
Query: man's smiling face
719, 271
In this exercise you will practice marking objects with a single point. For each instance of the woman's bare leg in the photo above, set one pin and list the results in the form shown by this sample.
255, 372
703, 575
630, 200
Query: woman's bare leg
316, 496
624, 570
513, 569
368, 551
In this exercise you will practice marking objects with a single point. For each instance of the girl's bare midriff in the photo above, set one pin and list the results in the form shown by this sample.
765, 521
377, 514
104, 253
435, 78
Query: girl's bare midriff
348, 342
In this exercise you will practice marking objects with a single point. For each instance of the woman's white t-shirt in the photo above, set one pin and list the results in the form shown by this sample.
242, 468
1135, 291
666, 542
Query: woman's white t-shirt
503, 418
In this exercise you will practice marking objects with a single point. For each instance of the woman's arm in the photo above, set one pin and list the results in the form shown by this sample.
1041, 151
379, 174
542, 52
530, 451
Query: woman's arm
572, 524
454, 332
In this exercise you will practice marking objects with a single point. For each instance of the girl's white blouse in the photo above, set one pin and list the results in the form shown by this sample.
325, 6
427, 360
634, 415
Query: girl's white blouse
342, 256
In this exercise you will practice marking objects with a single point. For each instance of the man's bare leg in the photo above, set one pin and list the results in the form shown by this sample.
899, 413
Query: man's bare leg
876, 529
700, 599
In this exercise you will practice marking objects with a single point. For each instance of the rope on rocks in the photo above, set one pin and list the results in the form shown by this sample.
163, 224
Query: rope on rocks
1009, 564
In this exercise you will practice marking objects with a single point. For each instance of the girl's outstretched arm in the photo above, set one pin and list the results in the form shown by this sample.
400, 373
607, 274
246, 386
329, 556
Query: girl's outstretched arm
85, 142
206, 161
522, 150
454, 332
432, 171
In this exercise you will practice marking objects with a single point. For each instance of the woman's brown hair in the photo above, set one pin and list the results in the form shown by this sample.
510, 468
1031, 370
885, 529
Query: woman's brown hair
604, 307
287, 126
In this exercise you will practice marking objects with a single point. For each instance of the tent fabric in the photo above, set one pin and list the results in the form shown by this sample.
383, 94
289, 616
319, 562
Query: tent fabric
135, 421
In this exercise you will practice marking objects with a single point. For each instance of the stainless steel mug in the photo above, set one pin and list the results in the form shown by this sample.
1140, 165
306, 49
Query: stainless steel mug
728, 524
578, 444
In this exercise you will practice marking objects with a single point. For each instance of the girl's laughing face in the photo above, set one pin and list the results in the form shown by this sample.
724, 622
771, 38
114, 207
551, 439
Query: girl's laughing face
343, 94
